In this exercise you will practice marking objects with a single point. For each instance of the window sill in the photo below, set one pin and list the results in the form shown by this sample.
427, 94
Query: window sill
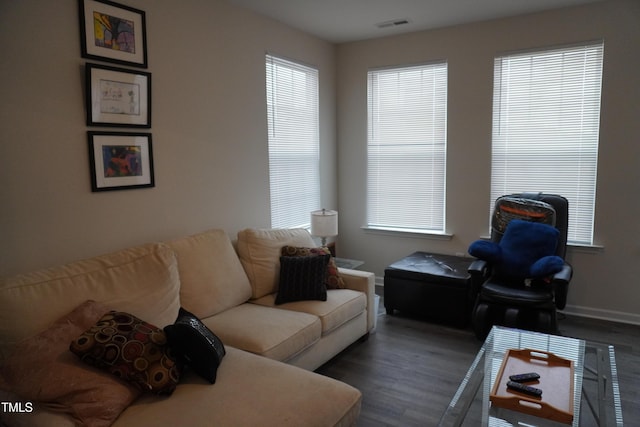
584, 248
574, 247
406, 232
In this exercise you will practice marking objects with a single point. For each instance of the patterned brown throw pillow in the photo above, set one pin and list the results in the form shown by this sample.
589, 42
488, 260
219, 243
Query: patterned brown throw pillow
131, 349
333, 279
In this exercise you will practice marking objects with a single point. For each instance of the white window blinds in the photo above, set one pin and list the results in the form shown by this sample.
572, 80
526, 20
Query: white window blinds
407, 139
294, 164
546, 115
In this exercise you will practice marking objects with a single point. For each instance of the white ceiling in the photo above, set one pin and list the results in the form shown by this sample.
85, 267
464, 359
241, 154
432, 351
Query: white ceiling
341, 21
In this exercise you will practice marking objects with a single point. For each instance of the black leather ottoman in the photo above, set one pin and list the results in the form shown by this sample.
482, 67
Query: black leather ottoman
433, 286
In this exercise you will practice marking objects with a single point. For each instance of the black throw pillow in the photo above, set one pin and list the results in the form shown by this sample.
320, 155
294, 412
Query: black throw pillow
302, 278
195, 345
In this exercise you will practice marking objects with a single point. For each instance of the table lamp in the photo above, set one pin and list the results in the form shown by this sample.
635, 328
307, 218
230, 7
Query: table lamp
324, 223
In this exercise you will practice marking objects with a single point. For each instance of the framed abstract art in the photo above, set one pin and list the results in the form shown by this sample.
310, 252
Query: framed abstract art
113, 32
120, 161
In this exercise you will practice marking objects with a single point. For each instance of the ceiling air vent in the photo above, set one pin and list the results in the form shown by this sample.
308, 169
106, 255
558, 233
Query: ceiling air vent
392, 23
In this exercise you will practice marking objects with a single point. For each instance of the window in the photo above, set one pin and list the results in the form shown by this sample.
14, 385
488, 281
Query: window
294, 162
546, 114
407, 141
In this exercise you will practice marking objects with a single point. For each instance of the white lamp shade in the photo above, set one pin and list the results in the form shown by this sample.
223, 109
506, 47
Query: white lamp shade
324, 223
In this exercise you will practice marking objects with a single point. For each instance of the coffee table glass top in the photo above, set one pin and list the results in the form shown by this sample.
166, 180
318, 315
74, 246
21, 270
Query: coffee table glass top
596, 397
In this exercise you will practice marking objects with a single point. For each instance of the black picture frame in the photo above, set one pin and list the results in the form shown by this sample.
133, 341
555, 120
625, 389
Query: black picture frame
117, 97
113, 32
120, 160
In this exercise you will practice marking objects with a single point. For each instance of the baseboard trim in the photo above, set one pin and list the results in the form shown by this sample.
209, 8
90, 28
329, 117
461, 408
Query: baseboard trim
596, 313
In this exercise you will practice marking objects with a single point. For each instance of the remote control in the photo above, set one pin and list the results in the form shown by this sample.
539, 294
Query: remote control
523, 378
524, 388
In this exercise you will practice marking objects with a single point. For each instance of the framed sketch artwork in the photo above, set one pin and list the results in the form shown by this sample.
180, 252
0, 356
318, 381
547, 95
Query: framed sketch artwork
120, 161
117, 97
113, 32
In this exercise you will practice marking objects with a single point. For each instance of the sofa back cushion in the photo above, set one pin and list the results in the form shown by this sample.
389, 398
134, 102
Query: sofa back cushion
142, 280
259, 251
211, 276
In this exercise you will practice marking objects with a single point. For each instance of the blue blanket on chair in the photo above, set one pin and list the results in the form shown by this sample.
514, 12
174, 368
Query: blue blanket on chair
525, 251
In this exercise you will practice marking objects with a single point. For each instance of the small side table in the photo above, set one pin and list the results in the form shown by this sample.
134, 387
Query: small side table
348, 263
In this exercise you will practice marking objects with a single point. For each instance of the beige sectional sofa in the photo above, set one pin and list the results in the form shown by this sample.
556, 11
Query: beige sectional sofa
232, 290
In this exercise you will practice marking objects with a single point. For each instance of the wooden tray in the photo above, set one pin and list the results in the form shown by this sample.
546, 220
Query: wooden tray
556, 382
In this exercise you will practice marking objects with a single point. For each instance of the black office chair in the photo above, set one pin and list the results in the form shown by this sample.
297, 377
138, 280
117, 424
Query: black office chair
516, 301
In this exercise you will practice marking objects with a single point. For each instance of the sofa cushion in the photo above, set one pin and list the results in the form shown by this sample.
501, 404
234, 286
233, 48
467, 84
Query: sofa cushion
341, 306
142, 281
42, 370
259, 251
212, 278
276, 334
302, 278
250, 391
196, 345
40, 416
130, 349
333, 279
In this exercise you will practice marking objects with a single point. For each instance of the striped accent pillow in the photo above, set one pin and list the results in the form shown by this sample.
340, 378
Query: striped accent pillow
302, 278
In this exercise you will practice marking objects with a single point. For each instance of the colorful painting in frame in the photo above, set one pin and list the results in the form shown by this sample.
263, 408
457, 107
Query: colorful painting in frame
113, 32
120, 161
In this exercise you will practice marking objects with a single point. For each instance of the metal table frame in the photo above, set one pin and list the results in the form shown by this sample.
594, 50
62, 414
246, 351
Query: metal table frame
595, 376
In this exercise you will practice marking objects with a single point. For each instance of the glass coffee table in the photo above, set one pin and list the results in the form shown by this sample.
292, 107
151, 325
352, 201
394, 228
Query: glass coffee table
596, 397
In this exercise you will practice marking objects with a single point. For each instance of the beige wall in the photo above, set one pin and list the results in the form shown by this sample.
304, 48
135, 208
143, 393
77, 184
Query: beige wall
210, 146
209, 129
606, 280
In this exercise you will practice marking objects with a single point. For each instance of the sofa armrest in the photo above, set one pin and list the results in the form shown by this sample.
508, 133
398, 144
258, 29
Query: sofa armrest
362, 281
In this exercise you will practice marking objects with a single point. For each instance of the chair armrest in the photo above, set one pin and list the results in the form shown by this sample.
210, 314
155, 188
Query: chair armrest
365, 282
478, 267
564, 275
560, 282
479, 271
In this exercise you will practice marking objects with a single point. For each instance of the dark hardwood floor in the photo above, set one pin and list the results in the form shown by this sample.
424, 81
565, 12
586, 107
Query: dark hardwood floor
409, 369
